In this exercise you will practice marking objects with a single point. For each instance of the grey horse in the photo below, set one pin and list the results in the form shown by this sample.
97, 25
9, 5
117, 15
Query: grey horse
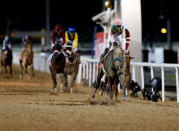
114, 71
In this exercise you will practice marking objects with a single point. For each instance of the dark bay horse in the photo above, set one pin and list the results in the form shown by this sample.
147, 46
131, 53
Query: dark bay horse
57, 64
6, 58
114, 70
71, 68
26, 58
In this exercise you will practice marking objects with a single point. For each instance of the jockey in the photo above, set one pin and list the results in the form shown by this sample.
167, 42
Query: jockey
25, 39
6, 44
72, 36
119, 33
58, 36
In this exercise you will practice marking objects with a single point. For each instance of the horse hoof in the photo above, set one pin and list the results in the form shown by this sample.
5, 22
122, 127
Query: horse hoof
71, 90
111, 101
61, 91
92, 96
126, 99
53, 91
20, 76
100, 93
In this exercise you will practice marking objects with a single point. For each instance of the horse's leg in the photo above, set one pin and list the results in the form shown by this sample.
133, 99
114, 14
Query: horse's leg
22, 68
54, 82
26, 71
123, 85
0, 67
10, 68
61, 82
5, 67
32, 71
115, 90
103, 85
33, 75
127, 84
53, 75
73, 76
66, 80
100, 75
110, 84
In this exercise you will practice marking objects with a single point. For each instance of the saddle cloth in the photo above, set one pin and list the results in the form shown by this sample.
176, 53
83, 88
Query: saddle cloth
50, 57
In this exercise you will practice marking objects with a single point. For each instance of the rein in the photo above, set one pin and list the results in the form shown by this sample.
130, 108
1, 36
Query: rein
118, 58
73, 61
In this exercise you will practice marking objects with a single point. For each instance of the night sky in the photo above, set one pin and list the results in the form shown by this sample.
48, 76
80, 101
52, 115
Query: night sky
30, 15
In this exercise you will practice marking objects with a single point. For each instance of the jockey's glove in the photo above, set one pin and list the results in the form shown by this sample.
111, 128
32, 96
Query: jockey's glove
109, 46
126, 51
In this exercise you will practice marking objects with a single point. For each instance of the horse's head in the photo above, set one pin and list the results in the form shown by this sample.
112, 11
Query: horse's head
58, 47
69, 48
118, 57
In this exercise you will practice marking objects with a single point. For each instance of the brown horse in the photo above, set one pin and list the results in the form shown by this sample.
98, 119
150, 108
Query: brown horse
26, 58
6, 58
127, 75
57, 61
71, 68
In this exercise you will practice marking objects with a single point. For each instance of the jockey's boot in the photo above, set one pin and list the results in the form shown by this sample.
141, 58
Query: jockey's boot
51, 51
103, 55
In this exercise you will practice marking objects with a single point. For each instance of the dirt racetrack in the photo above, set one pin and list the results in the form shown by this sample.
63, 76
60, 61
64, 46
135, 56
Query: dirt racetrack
27, 106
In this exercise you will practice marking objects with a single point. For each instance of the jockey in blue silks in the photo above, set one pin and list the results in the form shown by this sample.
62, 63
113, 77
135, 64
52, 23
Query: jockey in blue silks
72, 36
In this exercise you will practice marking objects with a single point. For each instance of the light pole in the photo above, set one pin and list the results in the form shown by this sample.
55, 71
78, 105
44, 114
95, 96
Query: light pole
47, 22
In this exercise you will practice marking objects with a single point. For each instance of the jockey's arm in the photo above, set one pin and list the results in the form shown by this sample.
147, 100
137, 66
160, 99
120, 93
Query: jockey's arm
4, 43
63, 38
75, 41
53, 38
66, 37
127, 38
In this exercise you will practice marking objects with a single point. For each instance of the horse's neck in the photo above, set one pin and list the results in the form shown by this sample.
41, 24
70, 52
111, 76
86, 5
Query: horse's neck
118, 51
29, 47
72, 57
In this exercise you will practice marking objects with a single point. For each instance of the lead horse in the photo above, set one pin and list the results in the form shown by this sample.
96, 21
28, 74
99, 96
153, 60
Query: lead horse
114, 71
71, 68
26, 59
6, 58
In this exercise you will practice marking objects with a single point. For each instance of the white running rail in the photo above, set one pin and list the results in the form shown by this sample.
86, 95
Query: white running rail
88, 71
162, 66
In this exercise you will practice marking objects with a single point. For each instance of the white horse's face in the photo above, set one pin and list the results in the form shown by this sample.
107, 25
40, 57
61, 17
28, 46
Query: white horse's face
119, 59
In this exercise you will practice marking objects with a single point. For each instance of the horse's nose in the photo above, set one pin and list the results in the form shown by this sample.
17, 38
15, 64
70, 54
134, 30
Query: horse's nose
118, 67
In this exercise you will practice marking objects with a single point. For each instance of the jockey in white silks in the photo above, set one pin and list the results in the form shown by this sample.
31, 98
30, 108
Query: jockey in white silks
119, 35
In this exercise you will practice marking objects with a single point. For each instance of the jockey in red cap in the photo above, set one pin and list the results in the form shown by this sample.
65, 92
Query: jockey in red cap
58, 36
